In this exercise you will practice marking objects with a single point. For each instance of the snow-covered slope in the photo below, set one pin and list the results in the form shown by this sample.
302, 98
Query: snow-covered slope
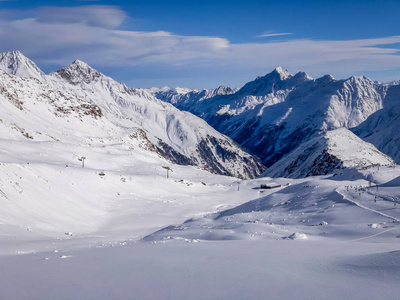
323, 238
16, 63
330, 207
78, 104
382, 127
114, 226
274, 114
327, 153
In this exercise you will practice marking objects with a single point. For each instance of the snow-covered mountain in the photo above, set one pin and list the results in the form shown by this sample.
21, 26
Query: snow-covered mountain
326, 153
274, 114
183, 98
82, 187
382, 127
78, 104
396, 82
16, 63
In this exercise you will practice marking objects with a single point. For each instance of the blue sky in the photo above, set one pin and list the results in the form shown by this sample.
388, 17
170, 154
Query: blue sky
203, 44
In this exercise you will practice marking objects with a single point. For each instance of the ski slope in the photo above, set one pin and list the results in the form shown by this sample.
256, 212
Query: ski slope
69, 233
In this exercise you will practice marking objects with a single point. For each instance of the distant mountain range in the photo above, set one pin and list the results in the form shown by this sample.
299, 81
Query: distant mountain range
280, 113
295, 125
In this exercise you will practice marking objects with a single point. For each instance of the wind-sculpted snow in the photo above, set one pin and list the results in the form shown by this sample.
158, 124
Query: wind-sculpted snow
77, 100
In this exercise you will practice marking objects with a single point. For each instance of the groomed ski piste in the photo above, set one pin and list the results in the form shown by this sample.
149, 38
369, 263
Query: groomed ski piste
118, 228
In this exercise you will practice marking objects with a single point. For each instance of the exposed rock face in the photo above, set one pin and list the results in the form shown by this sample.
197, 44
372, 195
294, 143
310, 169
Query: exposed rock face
79, 72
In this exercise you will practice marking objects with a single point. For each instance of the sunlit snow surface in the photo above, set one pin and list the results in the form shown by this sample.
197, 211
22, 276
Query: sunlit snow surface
113, 226
69, 232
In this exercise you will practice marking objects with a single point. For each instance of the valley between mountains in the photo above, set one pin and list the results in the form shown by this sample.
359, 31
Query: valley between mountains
286, 188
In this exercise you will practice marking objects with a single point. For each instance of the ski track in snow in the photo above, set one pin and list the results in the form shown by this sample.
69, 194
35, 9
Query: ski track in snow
363, 206
374, 235
347, 196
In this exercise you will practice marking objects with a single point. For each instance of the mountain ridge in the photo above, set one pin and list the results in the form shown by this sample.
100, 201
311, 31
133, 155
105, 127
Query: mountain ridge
328, 153
80, 102
273, 114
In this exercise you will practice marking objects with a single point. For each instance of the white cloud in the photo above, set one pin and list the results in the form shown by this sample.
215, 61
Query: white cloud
353, 54
94, 15
55, 35
271, 34
59, 35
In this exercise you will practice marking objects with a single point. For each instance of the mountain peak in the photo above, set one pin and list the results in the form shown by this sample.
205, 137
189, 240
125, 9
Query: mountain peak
15, 53
223, 90
303, 75
78, 72
284, 74
80, 63
15, 63
263, 85
360, 79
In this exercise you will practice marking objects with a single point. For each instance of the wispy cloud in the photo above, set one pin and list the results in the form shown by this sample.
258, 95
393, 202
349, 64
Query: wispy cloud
272, 34
58, 35
94, 15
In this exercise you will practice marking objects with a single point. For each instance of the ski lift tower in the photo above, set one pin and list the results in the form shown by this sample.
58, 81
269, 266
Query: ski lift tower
238, 183
168, 169
82, 159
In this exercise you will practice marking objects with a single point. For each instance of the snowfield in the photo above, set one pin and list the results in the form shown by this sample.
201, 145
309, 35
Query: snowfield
90, 209
69, 232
